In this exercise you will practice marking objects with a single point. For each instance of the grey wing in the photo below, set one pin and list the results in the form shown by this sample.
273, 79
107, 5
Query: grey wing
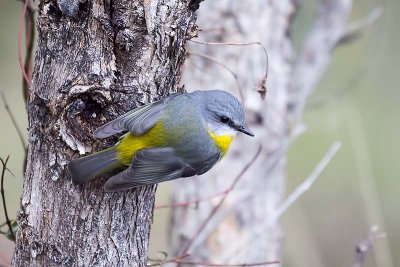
202, 166
137, 121
156, 165
149, 166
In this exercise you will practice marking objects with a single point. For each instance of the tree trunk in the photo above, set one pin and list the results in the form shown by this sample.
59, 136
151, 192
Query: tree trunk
94, 61
246, 229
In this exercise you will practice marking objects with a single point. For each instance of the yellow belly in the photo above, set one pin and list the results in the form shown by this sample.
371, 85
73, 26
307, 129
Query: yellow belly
130, 143
222, 142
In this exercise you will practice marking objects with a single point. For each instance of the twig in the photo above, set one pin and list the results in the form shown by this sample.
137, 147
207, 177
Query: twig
3, 197
193, 202
30, 40
216, 61
14, 121
356, 28
226, 265
168, 261
21, 27
363, 247
261, 88
305, 186
237, 44
218, 206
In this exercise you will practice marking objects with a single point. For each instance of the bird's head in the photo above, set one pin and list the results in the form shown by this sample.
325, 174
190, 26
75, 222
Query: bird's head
223, 113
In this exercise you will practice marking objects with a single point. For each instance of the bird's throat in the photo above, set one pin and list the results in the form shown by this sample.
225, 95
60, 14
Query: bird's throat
222, 141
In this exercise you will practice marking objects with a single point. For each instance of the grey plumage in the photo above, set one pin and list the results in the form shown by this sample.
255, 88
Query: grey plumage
156, 165
189, 149
137, 121
93, 165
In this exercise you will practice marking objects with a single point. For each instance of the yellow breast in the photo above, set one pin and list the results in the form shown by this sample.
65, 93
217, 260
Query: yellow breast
222, 141
130, 143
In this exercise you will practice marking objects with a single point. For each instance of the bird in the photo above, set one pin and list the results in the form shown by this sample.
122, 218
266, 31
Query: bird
181, 135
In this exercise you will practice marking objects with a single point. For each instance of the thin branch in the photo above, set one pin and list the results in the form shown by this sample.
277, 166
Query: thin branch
3, 197
21, 27
14, 121
261, 87
193, 202
238, 44
222, 200
366, 244
226, 265
30, 40
306, 185
168, 261
355, 29
216, 61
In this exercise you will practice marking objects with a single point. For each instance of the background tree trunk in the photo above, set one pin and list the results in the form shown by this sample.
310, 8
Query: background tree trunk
95, 60
247, 229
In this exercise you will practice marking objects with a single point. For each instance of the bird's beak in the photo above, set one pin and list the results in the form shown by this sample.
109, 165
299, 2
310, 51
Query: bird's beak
245, 130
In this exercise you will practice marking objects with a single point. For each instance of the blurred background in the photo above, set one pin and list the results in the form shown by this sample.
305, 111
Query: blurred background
357, 102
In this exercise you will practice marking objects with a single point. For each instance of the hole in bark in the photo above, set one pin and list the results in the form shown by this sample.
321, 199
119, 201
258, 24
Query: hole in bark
54, 11
83, 7
84, 113
91, 109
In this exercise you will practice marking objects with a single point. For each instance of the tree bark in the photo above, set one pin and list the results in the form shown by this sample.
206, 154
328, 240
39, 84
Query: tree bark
246, 229
94, 61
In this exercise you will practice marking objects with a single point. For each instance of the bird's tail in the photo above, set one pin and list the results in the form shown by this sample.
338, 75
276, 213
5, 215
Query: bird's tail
94, 165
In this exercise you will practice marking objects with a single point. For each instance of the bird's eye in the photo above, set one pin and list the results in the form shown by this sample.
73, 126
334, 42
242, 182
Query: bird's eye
224, 119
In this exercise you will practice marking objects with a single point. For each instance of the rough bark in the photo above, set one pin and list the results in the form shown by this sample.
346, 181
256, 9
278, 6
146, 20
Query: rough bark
245, 230
95, 60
